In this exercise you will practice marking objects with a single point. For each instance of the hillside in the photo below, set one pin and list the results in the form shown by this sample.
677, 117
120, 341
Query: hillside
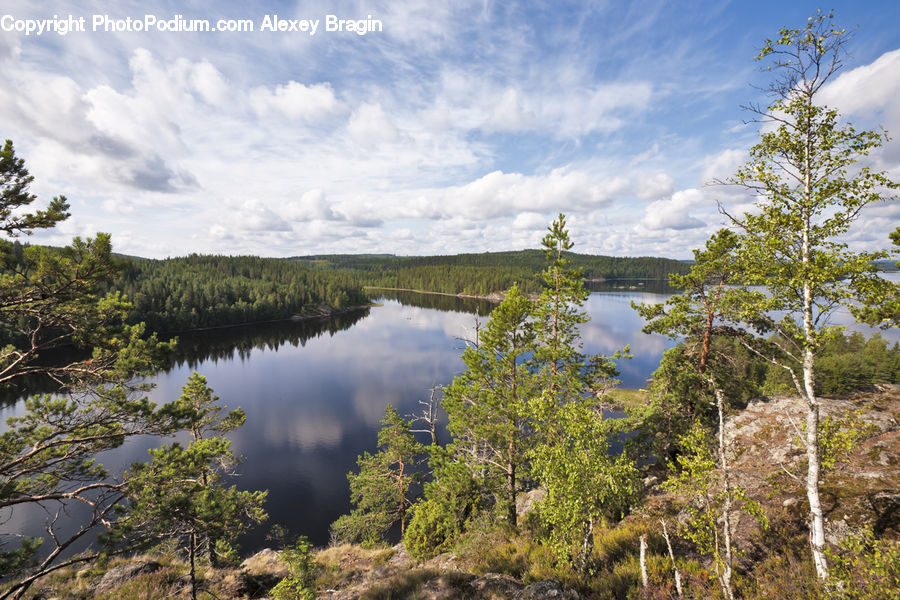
484, 274
498, 564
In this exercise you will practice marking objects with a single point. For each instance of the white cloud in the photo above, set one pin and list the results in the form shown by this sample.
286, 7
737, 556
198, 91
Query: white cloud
654, 186
370, 126
504, 194
674, 212
209, 83
723, 164
311, 206
255, 215
509, 114
296, 101
870, 88
530, 221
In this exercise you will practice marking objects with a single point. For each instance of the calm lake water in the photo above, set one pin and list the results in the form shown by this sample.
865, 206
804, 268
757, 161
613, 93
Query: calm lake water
314, 392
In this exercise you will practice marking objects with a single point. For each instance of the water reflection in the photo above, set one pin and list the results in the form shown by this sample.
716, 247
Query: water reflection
442, 302
315, 391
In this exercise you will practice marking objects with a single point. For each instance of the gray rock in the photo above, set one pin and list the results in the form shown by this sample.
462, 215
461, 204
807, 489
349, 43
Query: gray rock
117, 576
265, 561
493, 584
549, 588
526, 502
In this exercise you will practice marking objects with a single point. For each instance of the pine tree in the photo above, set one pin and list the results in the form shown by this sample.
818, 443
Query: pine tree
51, 297
180, 493
570, 455
381, 489
488, 405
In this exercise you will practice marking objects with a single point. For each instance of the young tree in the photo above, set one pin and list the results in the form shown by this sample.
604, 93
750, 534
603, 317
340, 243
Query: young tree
180, 494
559, 314
205, 418
488, 405
571, 455
51, 297
808, 195
694, 316
585, 484
699, 475
381, 489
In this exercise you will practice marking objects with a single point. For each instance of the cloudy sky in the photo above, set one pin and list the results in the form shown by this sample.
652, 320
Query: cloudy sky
461, 127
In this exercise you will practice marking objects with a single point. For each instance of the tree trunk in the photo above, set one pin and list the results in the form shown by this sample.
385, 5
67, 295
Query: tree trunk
193, 552
511, 483
816, 516
644, 560
726, 507
672, 558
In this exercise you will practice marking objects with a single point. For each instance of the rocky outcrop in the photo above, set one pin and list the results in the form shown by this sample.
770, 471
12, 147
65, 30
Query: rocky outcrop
769, 460
117, 576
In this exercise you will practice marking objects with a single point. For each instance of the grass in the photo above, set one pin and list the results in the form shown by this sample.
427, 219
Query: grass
627, 399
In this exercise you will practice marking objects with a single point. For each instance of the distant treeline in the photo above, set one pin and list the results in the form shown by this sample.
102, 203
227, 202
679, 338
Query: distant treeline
483, 274
211, 291
201, 291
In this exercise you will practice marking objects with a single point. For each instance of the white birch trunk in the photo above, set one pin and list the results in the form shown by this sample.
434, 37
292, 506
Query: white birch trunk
816, 516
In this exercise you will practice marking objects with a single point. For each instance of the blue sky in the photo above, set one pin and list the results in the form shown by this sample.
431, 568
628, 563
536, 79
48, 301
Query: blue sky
461, 127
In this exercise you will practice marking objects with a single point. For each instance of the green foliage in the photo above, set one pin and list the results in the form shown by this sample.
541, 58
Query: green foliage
486, 273
208, 291
52, 297
179, 494
839, 437
450, 501
844, 363
14, 195
865, 568
300, 583
699, 476
809, 189
558, 314
487, 405
847, 363
381, 489
585, 485
528, 403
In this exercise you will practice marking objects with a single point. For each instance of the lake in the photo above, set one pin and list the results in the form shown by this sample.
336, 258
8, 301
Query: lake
315, 391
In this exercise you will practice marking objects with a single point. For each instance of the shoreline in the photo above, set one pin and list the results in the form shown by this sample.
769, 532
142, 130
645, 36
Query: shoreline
292, 318
496, 297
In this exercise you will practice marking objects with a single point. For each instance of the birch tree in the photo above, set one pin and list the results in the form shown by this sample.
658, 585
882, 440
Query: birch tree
809, 190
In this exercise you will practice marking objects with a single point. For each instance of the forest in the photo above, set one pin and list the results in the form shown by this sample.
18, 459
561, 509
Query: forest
487, 273
753, 467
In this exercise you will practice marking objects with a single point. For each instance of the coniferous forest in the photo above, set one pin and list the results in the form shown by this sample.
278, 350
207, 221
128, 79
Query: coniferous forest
760, 462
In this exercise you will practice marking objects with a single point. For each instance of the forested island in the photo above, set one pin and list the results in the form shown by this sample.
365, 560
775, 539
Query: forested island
761, 461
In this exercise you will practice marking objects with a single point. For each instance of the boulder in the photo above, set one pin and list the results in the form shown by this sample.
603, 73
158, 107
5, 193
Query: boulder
121, 574
495, 585
266, 561
526, 502
549, 588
